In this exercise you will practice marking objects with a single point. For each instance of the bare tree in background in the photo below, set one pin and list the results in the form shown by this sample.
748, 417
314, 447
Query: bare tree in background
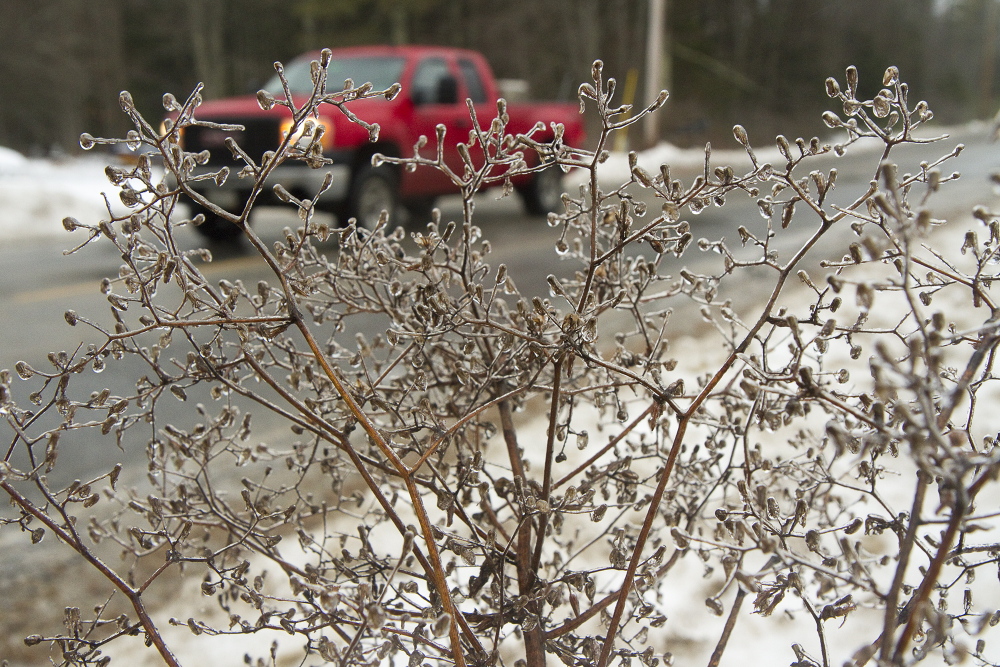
205, 23
748, 62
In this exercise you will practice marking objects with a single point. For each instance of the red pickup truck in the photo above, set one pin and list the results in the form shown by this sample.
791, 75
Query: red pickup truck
435, 81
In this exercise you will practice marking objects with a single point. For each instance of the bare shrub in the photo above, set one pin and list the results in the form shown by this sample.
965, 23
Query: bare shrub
491, 478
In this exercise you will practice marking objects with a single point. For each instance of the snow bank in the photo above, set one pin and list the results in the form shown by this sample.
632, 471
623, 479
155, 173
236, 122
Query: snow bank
36, 194
10, 160
616, 170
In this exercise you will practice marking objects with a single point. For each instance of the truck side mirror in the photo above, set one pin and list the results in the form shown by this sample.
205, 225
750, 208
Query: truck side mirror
447, 90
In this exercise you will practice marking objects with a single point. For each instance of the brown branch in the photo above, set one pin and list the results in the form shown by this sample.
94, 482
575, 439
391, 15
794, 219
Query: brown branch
727, 631
134, 596
905, 550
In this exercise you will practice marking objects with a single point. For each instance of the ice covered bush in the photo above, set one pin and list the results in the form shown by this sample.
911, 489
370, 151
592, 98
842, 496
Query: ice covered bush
475, 476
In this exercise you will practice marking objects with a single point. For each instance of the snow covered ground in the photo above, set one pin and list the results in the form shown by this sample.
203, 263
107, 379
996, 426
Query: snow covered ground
36, 194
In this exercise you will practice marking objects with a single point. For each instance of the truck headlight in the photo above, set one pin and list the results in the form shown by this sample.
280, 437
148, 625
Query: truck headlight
308, 132
167, 125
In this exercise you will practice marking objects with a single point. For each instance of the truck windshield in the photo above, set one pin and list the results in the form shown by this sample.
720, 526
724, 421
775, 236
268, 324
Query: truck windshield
381, 72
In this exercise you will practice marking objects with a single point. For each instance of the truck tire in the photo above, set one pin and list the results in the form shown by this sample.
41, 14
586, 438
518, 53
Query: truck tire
374, 189
215, 229
543, 193
419, 212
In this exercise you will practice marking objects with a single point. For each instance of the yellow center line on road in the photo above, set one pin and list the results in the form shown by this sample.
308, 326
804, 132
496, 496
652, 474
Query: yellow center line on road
54, 293
83, 288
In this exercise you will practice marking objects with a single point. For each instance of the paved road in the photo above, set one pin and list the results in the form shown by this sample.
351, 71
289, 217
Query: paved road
38, 284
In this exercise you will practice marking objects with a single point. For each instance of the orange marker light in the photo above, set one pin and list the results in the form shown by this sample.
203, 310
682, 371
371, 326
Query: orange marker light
306, 132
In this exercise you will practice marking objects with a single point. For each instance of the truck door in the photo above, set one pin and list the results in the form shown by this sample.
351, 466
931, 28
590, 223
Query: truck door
434, 90
475, 90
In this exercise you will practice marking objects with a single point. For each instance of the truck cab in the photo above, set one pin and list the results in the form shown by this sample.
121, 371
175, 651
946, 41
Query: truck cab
436, 82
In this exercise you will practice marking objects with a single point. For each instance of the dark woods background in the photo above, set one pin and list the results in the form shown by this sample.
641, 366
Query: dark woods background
758, 62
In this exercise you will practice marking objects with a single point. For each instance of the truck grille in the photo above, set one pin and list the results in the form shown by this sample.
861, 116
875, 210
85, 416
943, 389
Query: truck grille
260, 135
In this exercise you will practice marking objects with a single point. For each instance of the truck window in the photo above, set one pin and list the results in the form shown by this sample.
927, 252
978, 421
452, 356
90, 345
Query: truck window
381, 72
433, 83
474, 87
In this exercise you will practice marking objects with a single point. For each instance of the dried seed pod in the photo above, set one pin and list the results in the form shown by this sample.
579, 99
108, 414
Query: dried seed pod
679, 539
642, 176
740, 133
787, 212
765, 207
856, 256
865, 296
596, 69
442, 625
133, 140
852, 80
126, 101
880, 105
772, 508
820, 181
265, 100
24, 371
715, 606
784, 147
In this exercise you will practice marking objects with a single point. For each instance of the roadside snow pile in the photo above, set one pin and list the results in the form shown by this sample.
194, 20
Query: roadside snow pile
10, 160
36, 194
615, 169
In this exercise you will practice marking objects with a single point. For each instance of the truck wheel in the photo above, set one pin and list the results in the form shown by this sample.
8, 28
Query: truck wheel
543, 193
216, 229
419, 212
374, 190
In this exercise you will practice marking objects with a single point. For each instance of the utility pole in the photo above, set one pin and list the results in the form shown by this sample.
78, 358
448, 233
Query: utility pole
658, 64
987, 59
